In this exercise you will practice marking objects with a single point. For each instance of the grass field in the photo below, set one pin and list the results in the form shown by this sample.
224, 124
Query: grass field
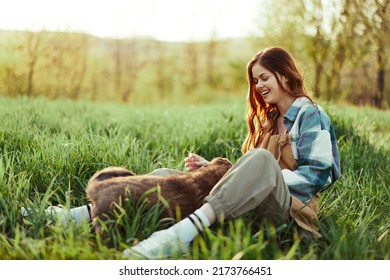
49, 150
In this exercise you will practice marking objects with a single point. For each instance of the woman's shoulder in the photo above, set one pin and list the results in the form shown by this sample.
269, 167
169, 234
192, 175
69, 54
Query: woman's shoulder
312, 115
304, 108
308, 107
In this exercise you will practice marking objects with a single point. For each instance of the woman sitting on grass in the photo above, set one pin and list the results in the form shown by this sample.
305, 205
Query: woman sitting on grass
278, 104
280, 183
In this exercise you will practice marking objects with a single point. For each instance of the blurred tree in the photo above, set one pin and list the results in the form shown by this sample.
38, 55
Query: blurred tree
318, 41
341, 37
211, 53
33, 50
285, 25
164, 69
129, 59
368, 27
192, 65
80, 55
12, 82
380, 30
12, 79
65, 64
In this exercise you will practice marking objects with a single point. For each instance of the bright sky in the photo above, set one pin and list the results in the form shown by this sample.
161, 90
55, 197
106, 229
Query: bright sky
171, 20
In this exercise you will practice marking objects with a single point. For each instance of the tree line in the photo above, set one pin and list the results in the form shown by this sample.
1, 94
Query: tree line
341, 46
345, 45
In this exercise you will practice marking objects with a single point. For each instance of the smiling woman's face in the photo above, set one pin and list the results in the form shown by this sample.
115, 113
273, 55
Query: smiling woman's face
267, 84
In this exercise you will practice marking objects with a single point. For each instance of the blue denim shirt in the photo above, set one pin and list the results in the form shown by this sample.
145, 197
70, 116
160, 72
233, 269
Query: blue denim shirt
314, 146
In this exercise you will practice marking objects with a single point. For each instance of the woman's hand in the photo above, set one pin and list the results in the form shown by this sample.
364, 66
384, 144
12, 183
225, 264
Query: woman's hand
194, 162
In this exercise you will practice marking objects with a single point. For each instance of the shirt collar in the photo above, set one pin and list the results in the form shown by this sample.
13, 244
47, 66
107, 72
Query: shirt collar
294, 109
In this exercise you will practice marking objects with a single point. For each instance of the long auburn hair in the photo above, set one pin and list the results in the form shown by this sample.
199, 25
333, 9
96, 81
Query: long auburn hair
261, 116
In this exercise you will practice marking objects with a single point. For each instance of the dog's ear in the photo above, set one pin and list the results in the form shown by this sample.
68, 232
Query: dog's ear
111, 173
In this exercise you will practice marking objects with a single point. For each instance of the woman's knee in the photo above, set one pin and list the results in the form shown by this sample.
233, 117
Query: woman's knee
164, 172
261, 155
263, 159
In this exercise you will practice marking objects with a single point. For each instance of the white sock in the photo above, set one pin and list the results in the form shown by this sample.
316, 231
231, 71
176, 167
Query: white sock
80, 213
189, 227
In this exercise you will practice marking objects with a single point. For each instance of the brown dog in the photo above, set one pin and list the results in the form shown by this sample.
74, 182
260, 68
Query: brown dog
186, 191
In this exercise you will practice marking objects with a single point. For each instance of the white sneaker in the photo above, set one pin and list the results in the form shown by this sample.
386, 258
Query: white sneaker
57, 213
25, 212
52, 212
161, 244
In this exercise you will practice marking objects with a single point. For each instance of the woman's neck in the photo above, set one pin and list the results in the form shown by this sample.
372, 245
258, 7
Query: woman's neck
285, 104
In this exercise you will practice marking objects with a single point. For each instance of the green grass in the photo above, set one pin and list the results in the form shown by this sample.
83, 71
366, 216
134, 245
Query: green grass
49, 150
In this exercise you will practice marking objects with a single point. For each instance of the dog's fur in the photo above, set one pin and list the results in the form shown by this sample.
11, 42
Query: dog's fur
108, 187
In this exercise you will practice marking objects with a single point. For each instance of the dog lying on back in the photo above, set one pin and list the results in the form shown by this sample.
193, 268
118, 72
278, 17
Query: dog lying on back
108, 187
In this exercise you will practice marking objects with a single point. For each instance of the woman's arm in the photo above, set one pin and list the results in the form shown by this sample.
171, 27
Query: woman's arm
312, 141
314, 165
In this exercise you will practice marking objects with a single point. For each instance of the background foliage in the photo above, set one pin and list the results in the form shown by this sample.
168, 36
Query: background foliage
340, 45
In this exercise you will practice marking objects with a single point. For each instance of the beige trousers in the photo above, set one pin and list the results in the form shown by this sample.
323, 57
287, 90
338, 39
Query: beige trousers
255, 181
